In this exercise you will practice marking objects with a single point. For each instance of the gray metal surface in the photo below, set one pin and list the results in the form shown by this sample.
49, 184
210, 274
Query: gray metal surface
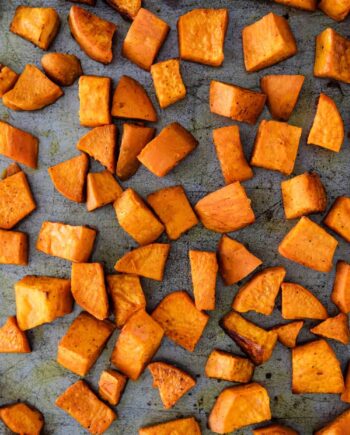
36, 377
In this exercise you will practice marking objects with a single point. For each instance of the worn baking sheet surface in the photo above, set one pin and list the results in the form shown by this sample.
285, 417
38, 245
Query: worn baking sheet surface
36, 377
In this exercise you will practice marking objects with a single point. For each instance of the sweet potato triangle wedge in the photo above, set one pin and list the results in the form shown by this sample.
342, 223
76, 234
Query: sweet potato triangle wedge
300, 303
181, 426
288, 334
341, 288
102, 189
338, 217
22, 419
336, 328
8, 78
339, 426
13, 339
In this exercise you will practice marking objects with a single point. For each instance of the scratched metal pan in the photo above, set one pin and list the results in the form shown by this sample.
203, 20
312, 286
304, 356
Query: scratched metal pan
37, 378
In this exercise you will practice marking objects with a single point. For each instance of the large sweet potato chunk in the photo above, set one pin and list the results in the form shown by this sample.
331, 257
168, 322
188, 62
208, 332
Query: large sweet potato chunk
275, 429
111, 386
94, 96
102, 189
62, 68
13, 248
288, 333
181, 426
229, 367
336, 328
126, 8
341, 288
12, 338
22, 419
8, 78
336, 9
338, 217
339, 426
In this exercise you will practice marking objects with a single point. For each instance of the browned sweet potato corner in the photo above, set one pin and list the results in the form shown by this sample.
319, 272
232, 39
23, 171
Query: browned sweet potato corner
62, 68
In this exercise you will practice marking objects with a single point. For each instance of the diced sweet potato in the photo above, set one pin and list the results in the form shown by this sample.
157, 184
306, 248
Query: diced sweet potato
22, 419
73, 243
138, 341
173, 383
275, 429
92, 33
181, 426
336, 328
130, 100
338, 217
345, 396
168, 149
240, 406
339, 426
83, 343
12, 338
316, 369
225, 210
282, 93
144, 39
111, 386
126, 8
174, 210
267, 41
127, 296
8, 78
229, 367
32, 91
235, 102
341, 288
37, 25
62, 68
85, 2
84, 406
148, 261
13, 248
202, 35
336, 9
276, 146
10, 170
180, 319
102, 189
288, 333
299, 303
94, 96
310, 245
307, 5
259, 294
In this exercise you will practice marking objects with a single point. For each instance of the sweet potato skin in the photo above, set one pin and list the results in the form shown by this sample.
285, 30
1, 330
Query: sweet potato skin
13, 339
22, 419
8, 78
168, 82
13, 248
229, 367
181, 426
62, 68
337, 218
341, 287
94, 96
111, 386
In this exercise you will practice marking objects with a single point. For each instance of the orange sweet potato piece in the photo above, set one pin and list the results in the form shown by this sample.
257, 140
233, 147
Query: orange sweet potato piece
229, 367
92, 33
310, 245
307, 5
336, 9
127, 8
111, 386
22, 419
275, 429
173, 383
181, 426
12, 338
239, 406
62, 68
181, 320
345, 396
8, 78
316, 369
336, 328
85, 2
10, 170
83, 343
225, 210
339, 426
168, 149
288, 333
338, 217
94, 96
137, 343
13, 248
102, 189
84, 406
341, 288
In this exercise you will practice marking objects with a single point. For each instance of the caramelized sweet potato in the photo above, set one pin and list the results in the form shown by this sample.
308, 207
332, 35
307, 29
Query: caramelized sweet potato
336, 328
62, 68
94, 96
8, 78
336, 9
13, 248
341, 288
12, 338
345, 396
229, 367
22, 419
102, 189
338, 426
288, 333
126, 8
168, 83
275, 429
338, 217
111, 386
181, 426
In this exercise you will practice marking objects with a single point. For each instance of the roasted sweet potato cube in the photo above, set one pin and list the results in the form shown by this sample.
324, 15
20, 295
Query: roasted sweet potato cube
316, 369
341, 288
345, 396
288, 333
37, 25
144, 39
13, 248
10, 170
275, 429
62, 68
229, 367
12, 338
73, 243
174, 210
22, 419
338, 217
310, 245
85, 2
235, 102
225, 210
138, 341
8, 78
94, 96
111, 386
102, 189
239, 406
83, 343
181, 426
84, 406
336, 328
202, 35
127, 8
148, 261
168, 149
338, 426
336, 9
173, 383
267, 41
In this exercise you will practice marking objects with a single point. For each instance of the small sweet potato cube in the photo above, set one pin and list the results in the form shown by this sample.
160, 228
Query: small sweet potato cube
267, 41
102, 189
127, 8
111, 386
12, 338
83, 343
202, 35
310, 245
338, 217
341, 288
84, 406
13, 248
345, 396
94, 96
174, 210
316, 369
338, 426
288, 333
22, 419
239, 406
336, 328
144, 39
173, 383
166, 150
225, 210
137, 343
181, 426
229, 367
275, 429
336, 9
181, 320
62, 68
8, 78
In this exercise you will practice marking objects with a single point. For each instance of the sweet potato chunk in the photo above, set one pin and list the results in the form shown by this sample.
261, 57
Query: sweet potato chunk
267, 41
316, 369
336, 9
259, 294
225, 210
276, 146
240, 406
83, 343
84, 406
168, 149
229, 367
138, 341
336, 328
126, 8
307, 5
94, 96
111, 386
12, 338
172, 382
92, 33
144, 39
341, 288
13, 248
37, 25
102, 189
73, 243
275, 429
62, 68
202, 35
338, 426
338, 217
10, 170
22, 419
85, 2
181, 426
235, 102
32, 91
181, 320
310, 245
282, 93
345, 396
8, 79
288, 333
174, 210
148, 261
130, 100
